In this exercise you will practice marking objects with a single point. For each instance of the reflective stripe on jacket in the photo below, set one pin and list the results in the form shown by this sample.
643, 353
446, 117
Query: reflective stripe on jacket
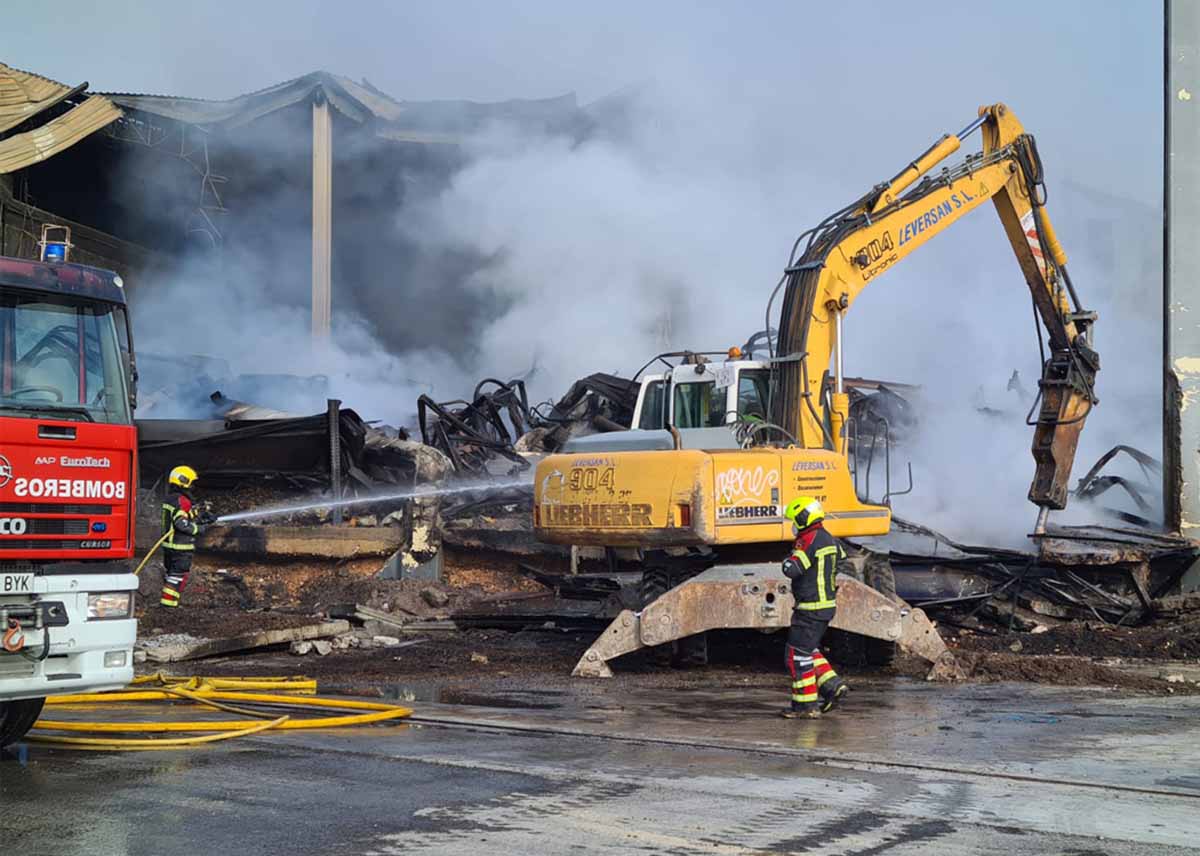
178, 524
812, 568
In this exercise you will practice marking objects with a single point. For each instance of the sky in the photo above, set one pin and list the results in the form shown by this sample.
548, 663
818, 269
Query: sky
751, 122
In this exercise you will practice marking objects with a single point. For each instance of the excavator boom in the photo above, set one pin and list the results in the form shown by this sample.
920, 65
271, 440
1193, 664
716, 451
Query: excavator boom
849, 249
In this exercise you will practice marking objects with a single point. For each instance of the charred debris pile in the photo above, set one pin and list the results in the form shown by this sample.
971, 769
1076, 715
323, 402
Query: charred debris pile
258, 457
1121, 576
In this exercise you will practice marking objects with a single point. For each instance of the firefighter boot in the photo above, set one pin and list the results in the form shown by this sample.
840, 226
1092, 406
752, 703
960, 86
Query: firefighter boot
802, 710
830, 687
832, 692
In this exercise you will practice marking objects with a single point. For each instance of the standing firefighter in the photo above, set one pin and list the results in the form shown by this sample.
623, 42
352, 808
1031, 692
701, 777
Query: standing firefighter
812, 568
182, 522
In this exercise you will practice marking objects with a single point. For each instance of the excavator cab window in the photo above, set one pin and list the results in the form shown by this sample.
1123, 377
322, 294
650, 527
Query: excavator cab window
699, 404
654, 403
753, 385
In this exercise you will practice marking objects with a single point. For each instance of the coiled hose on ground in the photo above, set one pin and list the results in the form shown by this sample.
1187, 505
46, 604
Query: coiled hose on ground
293, 694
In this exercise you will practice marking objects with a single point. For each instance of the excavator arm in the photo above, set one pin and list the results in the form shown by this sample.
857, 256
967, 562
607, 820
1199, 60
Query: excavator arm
833, 262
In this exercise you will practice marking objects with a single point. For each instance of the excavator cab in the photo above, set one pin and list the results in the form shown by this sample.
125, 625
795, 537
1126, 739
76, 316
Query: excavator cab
704, 395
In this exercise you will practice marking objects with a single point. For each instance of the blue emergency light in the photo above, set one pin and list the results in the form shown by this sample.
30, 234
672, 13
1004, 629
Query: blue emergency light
55, 243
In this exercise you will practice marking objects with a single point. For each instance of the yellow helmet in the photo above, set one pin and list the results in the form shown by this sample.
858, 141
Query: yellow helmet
183, 477
804, 511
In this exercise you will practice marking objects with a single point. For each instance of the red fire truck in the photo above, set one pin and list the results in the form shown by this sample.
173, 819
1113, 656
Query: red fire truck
68, 464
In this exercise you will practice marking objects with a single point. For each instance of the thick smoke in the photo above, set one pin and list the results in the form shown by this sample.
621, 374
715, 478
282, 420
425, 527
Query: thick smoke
608, 250
666, 222
605, 250
237, 288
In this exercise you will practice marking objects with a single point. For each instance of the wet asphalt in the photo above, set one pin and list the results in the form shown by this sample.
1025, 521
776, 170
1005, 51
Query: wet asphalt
905, 768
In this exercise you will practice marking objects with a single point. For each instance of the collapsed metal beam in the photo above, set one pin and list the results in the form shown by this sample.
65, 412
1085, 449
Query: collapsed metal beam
758, 597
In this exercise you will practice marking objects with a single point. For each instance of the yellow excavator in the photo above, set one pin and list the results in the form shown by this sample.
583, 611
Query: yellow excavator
702, 506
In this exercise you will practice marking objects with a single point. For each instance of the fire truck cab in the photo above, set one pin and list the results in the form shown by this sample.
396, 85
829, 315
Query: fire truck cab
68, 464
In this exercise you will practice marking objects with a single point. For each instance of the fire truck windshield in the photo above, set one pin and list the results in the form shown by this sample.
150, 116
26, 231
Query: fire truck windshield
60, 357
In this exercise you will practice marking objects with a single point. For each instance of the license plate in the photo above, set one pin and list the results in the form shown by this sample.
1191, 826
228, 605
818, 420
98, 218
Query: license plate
16, 584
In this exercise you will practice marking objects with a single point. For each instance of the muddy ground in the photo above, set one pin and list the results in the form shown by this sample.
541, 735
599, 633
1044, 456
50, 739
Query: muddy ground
224, 599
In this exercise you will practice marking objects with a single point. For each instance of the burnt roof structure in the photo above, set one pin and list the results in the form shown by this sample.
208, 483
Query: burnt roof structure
422, 122
299, 182
40, 117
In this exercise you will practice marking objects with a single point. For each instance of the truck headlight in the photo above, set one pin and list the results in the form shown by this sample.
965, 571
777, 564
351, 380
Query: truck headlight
110, 604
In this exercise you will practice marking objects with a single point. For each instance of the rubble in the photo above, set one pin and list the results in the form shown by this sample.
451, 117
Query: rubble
474, 434
499, 423
192, 648
293, 451
1093, 485
250, 461
1078, 573
1073, 596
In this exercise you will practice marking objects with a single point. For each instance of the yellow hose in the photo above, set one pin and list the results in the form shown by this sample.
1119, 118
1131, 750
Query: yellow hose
294, 683
202, 725
146, 558
149, 743
209, 692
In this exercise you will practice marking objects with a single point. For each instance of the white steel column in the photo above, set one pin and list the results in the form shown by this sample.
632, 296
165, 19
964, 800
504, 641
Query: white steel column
322, 219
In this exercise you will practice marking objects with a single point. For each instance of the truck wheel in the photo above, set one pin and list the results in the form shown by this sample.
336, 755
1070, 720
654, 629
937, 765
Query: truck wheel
655, 583
17, 717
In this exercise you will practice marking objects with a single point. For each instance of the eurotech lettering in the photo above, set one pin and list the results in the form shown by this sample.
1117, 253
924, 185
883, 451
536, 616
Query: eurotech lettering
88, 462
934, 215
69, 488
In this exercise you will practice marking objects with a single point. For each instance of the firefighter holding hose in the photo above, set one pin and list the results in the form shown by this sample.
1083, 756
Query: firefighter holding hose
182, 522
812, 568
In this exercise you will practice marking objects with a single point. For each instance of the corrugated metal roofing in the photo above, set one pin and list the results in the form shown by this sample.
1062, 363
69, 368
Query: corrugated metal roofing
347, 97
408, 121
22, 150
23, 94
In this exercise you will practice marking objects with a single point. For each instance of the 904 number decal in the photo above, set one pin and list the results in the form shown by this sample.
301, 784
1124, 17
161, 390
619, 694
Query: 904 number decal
592, 479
